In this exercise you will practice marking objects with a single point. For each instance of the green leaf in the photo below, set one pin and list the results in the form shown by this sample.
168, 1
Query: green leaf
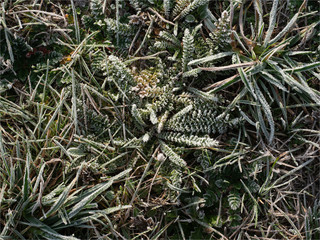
190, 18
76, 152
272, 21
285, 30
274, 80
173, 157
267, 110
64, 195
47, 231
247, 82
234, 200
210, 58
303, 68
100, 188
117, 208
190, 140
229, 67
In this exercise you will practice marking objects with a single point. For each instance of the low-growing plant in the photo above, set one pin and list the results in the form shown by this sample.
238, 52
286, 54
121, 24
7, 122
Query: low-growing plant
187, 119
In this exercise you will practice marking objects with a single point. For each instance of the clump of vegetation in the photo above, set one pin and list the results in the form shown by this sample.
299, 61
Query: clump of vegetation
173, 119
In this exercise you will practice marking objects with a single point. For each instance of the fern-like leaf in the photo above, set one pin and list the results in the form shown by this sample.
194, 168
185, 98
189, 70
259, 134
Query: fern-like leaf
234, 200
137, 116
188, 49
167, 7
190, 140
192, 6
173, 157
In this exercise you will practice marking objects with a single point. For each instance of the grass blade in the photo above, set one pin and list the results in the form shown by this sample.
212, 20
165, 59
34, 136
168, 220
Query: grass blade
100, 188
210, 58
285, 30
272, 22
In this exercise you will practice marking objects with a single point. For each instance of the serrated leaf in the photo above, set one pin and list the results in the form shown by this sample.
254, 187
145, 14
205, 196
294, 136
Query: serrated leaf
234, 200
253, 186
210, 198
173, 157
